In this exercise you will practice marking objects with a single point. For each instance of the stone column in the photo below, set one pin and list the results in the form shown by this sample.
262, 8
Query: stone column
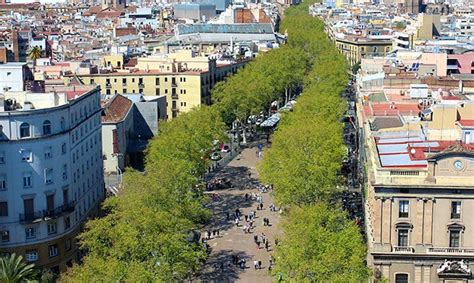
426, 273
418, 219
387, 221
428, 223
418, 277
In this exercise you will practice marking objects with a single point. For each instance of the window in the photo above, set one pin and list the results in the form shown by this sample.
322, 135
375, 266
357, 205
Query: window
455, 210
48, 176
5, 234
26, 155
401, 278
67, 222
64, 172
157, 81
403, 237
64, 148
67, 245
3, 208
27, 180
24, 130
48, 152
124, 90
2, 157
47, 127
52, 228
31, 256
403, 208
63, 124
53, 250
3, 182
107, 91
30, 233
454, 238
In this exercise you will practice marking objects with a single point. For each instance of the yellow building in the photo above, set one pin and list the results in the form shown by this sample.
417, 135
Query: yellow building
357, 48
185, 79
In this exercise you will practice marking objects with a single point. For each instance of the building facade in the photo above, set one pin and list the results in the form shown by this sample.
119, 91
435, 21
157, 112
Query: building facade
51, 173
420, 196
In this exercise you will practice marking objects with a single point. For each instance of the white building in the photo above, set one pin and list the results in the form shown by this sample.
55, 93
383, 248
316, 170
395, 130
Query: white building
13, 76
51, 176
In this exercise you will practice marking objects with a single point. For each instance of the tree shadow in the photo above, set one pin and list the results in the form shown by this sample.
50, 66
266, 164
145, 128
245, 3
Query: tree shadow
221, 268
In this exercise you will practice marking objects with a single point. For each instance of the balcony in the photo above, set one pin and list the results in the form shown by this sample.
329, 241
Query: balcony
31, 217
173, 84
455, 215
124, 84
174, 96
141, 85
48, 214
60, 210
108, 86
451, 251
400, 249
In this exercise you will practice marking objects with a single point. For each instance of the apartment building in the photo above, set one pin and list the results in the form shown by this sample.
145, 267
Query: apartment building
51, 173
420, 192
184, 78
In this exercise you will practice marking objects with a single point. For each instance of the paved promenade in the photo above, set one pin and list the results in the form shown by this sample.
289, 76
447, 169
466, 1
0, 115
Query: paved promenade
232, 241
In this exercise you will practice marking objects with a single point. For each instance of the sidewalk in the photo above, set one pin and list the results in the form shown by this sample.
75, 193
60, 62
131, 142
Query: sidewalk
232, 240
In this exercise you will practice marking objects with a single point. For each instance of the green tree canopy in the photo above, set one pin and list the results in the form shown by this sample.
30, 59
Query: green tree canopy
320, 245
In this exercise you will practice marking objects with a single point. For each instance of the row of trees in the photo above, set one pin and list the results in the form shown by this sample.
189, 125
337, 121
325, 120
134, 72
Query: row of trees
148, 233
320, 243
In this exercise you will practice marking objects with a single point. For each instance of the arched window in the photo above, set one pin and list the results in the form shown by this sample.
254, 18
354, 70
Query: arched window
401, 278
47, 127
24, 130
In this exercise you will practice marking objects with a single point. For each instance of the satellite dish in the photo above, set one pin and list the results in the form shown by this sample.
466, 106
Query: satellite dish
413, 151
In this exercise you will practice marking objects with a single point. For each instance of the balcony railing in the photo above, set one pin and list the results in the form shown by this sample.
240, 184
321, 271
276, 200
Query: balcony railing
52, 213
173, 84
108, 86
31, 217
141, 85
400, 249
174, 96
455, 215
451, 251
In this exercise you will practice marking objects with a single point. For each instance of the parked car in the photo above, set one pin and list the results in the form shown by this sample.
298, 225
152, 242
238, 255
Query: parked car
215, 156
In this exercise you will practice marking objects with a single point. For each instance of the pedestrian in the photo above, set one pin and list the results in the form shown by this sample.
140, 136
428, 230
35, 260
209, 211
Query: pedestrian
261, 206
246, 196
227, 214
264, 222
258, 244
255, 238
267, 246
255, 264
237, 222
217, 232
259, 264
276, 242
246, 218
250, 175
251, 224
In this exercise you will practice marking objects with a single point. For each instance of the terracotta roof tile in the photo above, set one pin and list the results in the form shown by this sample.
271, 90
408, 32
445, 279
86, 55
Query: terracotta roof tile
115, 109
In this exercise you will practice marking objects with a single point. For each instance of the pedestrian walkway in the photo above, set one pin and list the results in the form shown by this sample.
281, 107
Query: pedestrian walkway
233, 244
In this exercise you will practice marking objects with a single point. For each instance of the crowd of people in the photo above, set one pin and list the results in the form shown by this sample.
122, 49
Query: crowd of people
246, 220
218, 184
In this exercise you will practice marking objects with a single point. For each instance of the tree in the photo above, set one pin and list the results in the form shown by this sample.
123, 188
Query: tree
320, 245
35, 53
13, 269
